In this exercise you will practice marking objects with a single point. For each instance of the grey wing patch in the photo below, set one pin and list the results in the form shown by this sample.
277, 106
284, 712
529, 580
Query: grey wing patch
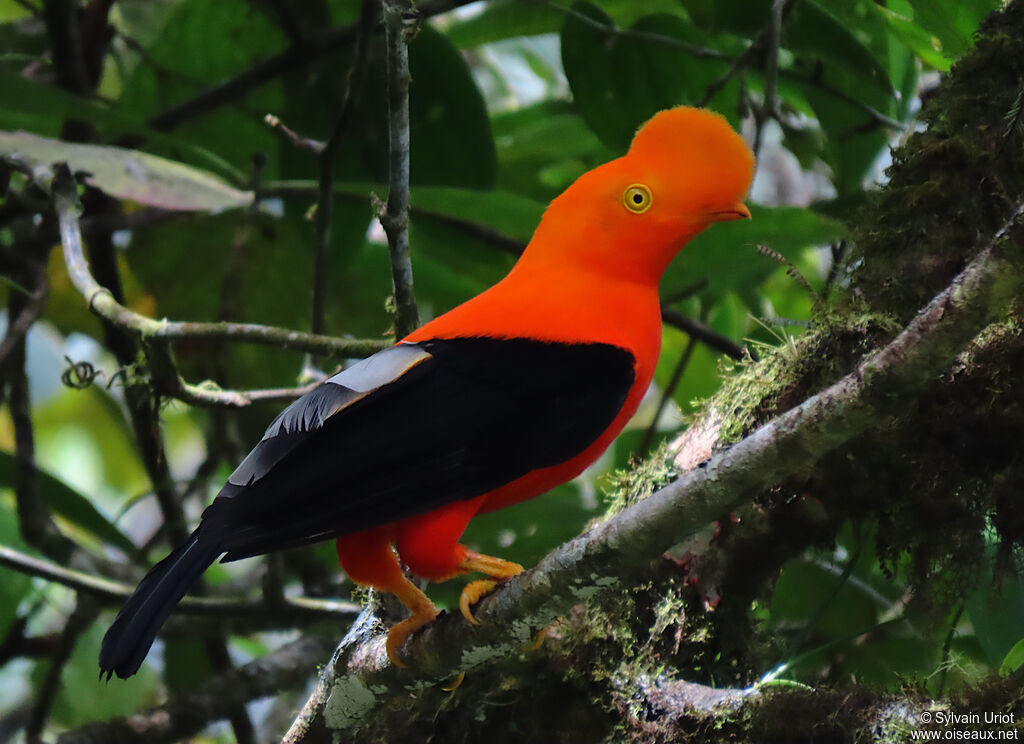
309, 413
381, 368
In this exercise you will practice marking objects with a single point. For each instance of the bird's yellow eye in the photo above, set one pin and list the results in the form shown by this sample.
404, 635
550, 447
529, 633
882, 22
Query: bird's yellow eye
637, 198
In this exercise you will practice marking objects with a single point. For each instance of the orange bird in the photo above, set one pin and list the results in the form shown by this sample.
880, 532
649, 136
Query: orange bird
499, 400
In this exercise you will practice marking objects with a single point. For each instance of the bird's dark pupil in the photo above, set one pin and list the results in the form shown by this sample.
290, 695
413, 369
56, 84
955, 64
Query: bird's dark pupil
638, 198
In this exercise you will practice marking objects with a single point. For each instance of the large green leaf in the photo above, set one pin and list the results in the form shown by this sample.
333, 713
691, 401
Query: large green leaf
189, 54
997, 614
800, 594
450, 137
953, 23
69, 504
924, 44
451, 133
40, 108
724, 256
545, 147
620, 80
811, 31
128, 174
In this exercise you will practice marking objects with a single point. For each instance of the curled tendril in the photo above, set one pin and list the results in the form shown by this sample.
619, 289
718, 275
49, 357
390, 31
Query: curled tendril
79, 375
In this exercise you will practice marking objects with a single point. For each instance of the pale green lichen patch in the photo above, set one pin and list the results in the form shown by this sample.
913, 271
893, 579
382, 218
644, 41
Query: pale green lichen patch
349, 702
472, 657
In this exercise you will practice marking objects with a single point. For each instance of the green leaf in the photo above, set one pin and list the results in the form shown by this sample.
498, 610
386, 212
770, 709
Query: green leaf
925, 45
724, 256
191, 53
997, 615
129, 174
509, 214
620, 80
12, 11
811, 31
186, 663
451, 142
25, 104
451, 132
953, 23
801, 588
543, 148
69, 504
1013, 660
504, 19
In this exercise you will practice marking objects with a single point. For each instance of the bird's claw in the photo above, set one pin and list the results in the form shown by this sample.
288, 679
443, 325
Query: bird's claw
471, 594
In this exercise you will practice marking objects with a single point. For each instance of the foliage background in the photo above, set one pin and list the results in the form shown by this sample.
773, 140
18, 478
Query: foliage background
511, 101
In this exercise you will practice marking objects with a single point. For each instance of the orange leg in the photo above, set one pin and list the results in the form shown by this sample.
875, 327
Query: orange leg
429, 545
368, 558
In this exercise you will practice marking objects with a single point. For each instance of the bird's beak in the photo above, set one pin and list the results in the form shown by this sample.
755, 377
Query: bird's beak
737, 211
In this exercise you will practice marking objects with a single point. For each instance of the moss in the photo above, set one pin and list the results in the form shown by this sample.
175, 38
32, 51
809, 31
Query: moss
787, 374
625, 487
950, 185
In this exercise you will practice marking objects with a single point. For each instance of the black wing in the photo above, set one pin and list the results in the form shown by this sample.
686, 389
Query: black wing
413, 428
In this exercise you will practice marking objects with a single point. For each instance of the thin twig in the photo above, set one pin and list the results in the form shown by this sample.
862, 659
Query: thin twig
29, 313
114, 593
292, 137
705, 334
611, 555
400, 24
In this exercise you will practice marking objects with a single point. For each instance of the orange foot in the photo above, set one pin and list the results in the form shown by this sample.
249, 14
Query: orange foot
423, 611
496, 568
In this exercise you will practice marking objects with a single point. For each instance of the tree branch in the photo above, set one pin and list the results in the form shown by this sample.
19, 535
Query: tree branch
401, 23
101, 301
155, 334
359, 680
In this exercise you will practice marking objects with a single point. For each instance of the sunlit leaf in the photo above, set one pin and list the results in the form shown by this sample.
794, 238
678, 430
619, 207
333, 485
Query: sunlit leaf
128, 174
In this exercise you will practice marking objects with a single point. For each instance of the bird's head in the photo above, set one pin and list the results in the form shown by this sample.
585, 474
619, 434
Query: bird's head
685, 170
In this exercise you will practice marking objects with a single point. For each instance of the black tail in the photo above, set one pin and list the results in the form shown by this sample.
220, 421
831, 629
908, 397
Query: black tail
128, 640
